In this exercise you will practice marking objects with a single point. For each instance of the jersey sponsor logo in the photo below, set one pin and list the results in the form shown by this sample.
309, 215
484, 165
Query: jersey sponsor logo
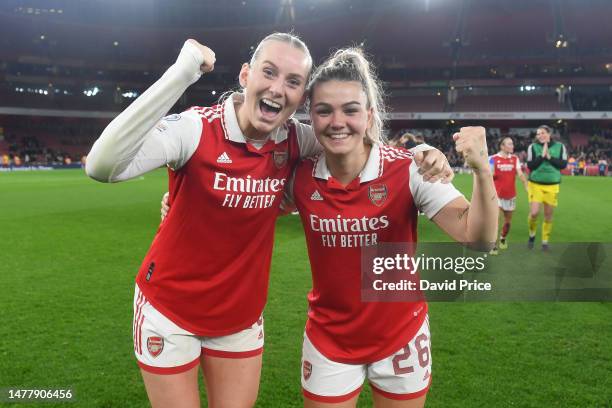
224, 158
316, 196
224, 182
269, 187
505, 167
280, 158
377, 194
306, 369
348, 232
339, 224
155, 345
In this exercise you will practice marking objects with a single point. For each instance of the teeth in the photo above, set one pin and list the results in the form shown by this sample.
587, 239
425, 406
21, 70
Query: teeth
339, 136
272, 104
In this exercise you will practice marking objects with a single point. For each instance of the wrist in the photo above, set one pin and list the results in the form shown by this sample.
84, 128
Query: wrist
482, 171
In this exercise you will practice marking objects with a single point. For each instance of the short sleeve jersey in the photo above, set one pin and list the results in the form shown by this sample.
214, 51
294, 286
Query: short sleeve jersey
208, 266
381, 205
504, 175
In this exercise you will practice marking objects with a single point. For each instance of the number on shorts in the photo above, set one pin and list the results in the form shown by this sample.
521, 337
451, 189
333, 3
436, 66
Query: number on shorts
401, 357
422, 353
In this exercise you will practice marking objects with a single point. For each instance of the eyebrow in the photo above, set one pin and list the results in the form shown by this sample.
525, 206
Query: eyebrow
343, 105
276, 67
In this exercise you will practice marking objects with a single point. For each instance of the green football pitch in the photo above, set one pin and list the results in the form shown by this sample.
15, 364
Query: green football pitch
70, 248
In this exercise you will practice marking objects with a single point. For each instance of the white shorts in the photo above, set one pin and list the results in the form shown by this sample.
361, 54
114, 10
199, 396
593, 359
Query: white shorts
162, 347
507, 204
404, 375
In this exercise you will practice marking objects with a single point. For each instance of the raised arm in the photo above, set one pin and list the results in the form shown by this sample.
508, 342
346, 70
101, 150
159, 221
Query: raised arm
472, 223
131, 145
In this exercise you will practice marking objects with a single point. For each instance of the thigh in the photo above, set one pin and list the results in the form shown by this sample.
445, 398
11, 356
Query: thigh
329, 383
350, 403
534, 208
508, 215
232, 366
173, 390
231, 382
381, 401
548, 211
405, 375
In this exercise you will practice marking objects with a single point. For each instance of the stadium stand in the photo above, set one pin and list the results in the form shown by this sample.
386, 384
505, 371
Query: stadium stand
509, 103
554, 59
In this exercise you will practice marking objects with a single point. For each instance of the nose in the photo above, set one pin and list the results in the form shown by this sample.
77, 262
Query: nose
337, 121
277, 87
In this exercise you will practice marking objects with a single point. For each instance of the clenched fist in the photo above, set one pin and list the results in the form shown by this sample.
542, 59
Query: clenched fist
471, 142
209, 56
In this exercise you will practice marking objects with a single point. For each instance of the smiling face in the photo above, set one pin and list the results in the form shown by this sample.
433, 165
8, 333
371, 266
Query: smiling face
340, 116
274, 88
507, 145
542, 135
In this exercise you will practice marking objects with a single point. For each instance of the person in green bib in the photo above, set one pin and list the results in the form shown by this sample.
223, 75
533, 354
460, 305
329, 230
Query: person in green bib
545, 160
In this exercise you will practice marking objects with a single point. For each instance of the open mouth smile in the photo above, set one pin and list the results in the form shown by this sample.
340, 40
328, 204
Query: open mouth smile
269, 109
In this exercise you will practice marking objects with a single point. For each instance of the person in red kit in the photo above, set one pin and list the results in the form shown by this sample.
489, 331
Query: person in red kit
359, 192
506, 166
202, 286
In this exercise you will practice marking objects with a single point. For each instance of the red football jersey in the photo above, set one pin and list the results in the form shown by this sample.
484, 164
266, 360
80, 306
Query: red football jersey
504, 175
208, 266
381, 205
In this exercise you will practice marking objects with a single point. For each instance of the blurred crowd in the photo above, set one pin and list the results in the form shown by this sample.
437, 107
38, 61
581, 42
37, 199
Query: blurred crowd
598, 149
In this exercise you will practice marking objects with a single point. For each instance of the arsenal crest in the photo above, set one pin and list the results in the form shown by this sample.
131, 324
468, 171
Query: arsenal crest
280, 158
377, 194
306, 369
155, 345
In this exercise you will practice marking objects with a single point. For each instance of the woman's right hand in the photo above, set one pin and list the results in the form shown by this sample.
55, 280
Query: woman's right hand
207, 53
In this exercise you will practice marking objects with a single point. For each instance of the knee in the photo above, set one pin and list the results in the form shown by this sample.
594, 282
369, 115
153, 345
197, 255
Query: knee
245, 400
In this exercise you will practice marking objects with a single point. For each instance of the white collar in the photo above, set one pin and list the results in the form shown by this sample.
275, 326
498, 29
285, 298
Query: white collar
232, 129
372, 170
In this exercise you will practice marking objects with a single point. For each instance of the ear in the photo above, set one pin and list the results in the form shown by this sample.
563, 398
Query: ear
370, 117
244, 74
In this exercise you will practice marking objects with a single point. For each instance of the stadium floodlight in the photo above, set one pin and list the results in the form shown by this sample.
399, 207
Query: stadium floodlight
92, 92
214, 92
130, 94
